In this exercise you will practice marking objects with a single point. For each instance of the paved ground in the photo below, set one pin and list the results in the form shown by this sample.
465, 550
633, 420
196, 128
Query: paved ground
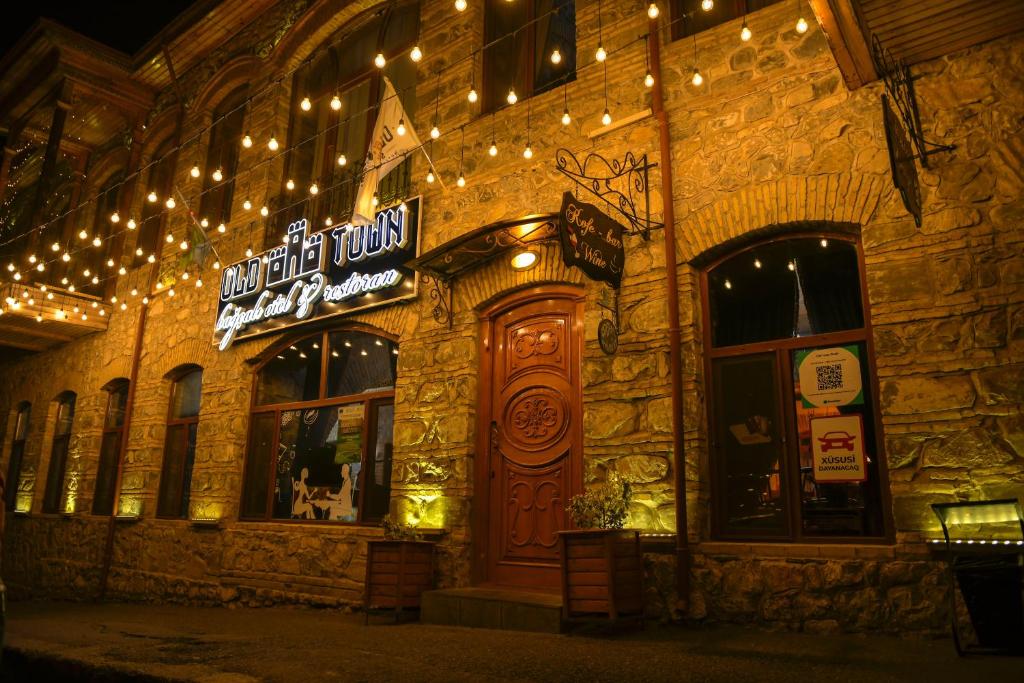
113, 642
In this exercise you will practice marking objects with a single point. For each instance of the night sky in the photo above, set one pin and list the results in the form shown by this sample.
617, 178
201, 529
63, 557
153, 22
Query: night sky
122, 24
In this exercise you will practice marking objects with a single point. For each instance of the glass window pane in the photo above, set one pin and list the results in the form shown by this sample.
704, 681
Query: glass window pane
13, 481
21, 428
106, 474
836, 508
505, 61
749, 452
320, 457
176, 456
55, 474
257, 465
117, 399
360, 363
377, 479
186, 394
554, 29
292, 375
65, 415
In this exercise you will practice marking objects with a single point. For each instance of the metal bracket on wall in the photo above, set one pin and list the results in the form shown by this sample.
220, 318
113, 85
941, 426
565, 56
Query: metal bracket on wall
619, 184
613, 308
441, 293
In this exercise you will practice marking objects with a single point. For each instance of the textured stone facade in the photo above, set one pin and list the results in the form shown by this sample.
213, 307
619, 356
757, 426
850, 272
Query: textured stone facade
773, 141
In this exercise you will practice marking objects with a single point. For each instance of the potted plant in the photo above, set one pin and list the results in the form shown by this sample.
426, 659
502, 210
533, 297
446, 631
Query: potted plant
399, 568
602, 567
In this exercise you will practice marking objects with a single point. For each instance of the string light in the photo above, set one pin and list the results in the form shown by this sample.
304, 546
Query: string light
184, 245
566, 119
801, 25
649, 77
314, 189
472, 96
707, 5
600, 55
430, 176
745, 33
528, 152
757, 263
289, 184
461, 182
82, 234
379, 60
247, 205
272, 144
342, 160
264, 211
115, 217
218, 175
131, 224
170, 238
336, 102
194, 171
204, 222
65, 257
170, 203
652, 11
96, 241
697, 79
222, 228
305, 104
151, 197
460, 5
247, 141
400, 128
606, 118
556, 56
248, 252
416, 54
511, 98
55, 246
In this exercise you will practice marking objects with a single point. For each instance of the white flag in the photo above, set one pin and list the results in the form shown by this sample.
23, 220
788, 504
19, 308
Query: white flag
387, 150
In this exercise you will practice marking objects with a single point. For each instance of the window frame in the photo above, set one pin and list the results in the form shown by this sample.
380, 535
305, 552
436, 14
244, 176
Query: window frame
53, 489
110, 390
17, 446
183, 422
217, 198
371, 402
164, 161
781, 350
677, 12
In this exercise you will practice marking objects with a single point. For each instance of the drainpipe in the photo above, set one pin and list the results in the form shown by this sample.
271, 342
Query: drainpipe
674, 337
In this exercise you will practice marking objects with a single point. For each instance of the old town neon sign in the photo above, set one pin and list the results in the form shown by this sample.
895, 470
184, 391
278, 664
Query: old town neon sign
337, 270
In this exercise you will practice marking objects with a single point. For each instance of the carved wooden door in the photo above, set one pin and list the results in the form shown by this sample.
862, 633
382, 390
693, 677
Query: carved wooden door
535, 439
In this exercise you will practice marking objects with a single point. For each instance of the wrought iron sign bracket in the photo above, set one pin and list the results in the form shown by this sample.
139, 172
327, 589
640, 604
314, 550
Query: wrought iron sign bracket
613, 308
899, 85
441, 293
621, 185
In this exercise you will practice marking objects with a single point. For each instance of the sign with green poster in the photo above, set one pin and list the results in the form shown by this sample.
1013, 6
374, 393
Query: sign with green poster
830, 377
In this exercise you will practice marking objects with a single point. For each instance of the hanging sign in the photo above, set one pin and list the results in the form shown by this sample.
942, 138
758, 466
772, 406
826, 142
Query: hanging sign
590, 240
901, 161
830, 377
837, 449
317, 275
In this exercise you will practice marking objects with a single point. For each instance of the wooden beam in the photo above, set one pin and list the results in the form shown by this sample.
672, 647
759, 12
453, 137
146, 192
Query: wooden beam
848, 38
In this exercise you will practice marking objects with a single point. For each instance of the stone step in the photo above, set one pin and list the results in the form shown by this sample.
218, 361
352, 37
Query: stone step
496, 608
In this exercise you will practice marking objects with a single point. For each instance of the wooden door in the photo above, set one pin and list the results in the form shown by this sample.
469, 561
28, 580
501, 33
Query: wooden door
534, 434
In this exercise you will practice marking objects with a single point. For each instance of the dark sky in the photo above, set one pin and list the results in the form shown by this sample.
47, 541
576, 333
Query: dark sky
123, 24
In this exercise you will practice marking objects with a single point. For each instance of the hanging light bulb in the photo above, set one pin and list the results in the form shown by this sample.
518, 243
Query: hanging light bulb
222, 228
41, 267
194, 172
556, 56
314, 188
65, 257
707, 5
32, 258
115, 217
305, 104
110, 263
82, 234
335, 102
183, 246
289, 184
430, 176
649, 80
379, 60
652, 11
801, 25
745, 33
131, 224
460, 5
791, 265
218, 175
184, 276
170, 238
151, 258
600, 55
512, 98
247, 140
374, 200
138, 251
55, 246
697, 79
170, 203
170, 292
96, 241
247, 205
435, 132
566, 119
216, 265
151, 197
204, 222
272, 143
122, 270
145, 301
528, 152
472, 96
199, 282
328, 221
400, 129
264, 211
248, 252
461, 182
493, 149
416, 54
728, 285
342, 160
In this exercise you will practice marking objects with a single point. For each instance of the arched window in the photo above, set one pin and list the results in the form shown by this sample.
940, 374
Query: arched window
17, 454
320, 440
225, 143
59, 452
795, 442
110, 447
180, 442
159, 181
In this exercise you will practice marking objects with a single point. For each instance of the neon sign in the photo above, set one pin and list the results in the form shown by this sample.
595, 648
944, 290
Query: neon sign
313, 276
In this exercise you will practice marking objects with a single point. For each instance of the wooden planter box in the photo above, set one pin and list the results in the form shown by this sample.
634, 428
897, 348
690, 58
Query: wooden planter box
397, 573
602, 573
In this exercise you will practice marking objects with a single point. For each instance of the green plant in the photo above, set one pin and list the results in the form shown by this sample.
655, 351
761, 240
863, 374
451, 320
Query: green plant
604, 506
396, 531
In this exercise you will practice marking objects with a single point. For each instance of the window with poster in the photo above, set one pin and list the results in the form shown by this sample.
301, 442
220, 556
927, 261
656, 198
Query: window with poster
795, 441
320, 436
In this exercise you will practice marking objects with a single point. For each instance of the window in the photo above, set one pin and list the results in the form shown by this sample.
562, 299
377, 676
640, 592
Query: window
319, 137
159, 181
17, 454
180, 443
689, 18
92, 261
320, 441
110, 447
59, 453
225, 143
795, 442
520, 37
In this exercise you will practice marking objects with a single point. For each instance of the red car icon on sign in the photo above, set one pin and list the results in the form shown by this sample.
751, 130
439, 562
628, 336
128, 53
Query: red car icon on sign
836, 440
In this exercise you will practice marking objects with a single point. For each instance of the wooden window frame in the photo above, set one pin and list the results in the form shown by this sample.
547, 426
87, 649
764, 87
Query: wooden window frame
17, 456
783, 370
56, 468
118, 430
371, 402
184, 423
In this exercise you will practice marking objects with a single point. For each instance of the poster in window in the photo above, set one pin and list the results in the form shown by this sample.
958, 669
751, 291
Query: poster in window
348, 447
837, 449
830, 377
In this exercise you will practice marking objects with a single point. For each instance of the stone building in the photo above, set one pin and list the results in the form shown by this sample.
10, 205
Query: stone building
147, 460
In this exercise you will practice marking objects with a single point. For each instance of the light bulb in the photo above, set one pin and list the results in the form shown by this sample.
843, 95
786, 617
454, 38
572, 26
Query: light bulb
493, 150
246, 205
183, 246
170, 203
314, 189
528, 152
697, 78
115, 217
435, 132
649, 80
801, 25
138, 251
131, 224
122, 270
82, 234
707, 5
652, 11
461, 182
374, 200
247, 141
416, 54
342, 160
791, 265
430, 176
272, 144
152, 197
460, 5
55, 246
289, 184
218, 175
184, 276
194, 172
328, 221
248, 252
65, 257
32, 258
151, 258
379, 60
472, 96
600, 55
170, 292
606, 118
216, 265
204, 222
264, 211
124, 306
41, 267
566, 119
556, 56
199, 282
110, 263
335, 103
728, 285
400, 128
96, 241
17, 276
745, 33
222, 228
170, 238
145, 300
512, 98
305, 104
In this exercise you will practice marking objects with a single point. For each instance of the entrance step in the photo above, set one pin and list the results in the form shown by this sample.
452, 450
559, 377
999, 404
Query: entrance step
497, 608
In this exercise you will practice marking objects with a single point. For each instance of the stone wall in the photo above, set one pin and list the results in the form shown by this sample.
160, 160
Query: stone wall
771, 142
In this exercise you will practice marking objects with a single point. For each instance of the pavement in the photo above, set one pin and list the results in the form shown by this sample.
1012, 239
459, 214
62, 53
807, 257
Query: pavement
54, 641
